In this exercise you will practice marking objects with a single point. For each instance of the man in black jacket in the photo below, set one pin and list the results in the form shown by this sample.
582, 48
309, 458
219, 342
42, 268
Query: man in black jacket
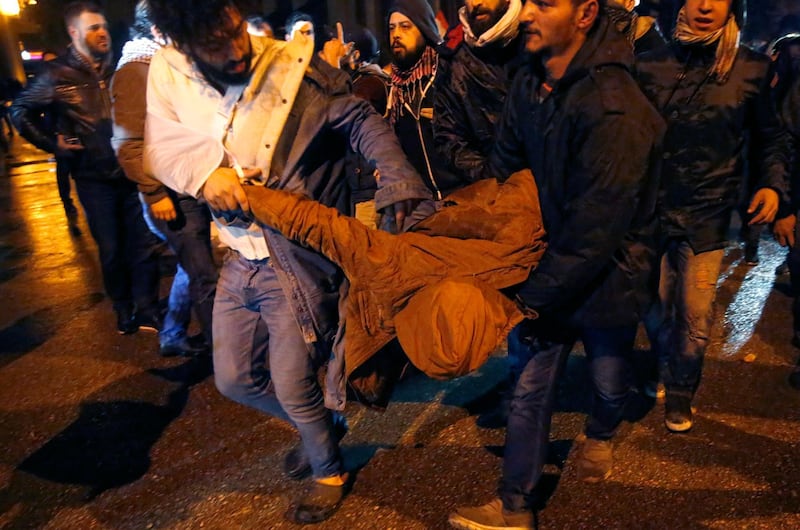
74, 88
567, 110
713, 94
475, 71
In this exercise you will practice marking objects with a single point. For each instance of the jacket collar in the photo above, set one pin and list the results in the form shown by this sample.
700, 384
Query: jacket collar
604, 46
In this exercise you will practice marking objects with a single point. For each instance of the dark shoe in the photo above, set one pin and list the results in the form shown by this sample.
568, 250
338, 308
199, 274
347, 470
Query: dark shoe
678, 412
149, 322
490, 516
782, 269
183, 348
595, 460
496, 418
751, 255
318, 502
296, 464
126, 324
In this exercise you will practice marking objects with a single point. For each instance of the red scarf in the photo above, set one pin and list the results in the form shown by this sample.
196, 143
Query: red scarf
408, 85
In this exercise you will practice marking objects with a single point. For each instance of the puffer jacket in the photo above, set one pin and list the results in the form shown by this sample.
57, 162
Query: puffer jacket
707, 129
593, 145
77, 95
486, 234
471, 88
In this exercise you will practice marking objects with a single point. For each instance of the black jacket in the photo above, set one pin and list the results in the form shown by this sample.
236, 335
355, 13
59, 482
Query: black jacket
471, 89
593, 145
708, 125
78, 97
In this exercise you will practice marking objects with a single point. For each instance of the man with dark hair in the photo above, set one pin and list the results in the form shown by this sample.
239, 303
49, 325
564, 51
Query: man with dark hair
224, 108
713, 93
567, 109
414, 38
475, 72
178, 218
74, 88
299, 22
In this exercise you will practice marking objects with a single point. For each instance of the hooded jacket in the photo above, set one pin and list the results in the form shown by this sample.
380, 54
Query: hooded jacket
437, 288
705, 145
78, 97
593, 145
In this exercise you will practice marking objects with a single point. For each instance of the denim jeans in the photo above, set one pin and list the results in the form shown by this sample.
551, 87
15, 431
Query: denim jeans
189, 236
179, 304
682, 321
528, 432
261, 359
126, 246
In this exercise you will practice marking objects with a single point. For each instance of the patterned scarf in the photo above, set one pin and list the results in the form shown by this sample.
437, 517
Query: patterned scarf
139, 50
409, 85
727, 47
505, 30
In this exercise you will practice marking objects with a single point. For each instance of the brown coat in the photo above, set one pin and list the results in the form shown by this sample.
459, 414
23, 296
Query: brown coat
488, 236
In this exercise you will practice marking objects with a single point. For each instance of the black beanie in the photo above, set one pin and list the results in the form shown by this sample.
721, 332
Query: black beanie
421, 14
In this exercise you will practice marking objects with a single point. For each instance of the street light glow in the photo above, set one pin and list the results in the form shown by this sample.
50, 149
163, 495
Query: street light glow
9, 7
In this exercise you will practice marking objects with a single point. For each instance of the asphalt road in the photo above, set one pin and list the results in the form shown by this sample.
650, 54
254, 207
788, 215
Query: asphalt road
98, 432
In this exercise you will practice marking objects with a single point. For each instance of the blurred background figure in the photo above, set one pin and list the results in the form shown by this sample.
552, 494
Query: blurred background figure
258, 26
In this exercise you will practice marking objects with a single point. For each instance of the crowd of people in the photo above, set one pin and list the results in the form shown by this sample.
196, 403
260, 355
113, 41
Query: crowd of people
544, 172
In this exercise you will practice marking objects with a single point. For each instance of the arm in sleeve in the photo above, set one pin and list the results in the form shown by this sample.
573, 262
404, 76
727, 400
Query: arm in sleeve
508, 153
129, 108
451, 132
771, 143
180, 157
607, 186
27, 107
371, 137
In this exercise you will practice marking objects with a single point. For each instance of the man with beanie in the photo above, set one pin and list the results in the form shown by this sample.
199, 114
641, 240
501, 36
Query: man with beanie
180, 219
475, 71
713, 94
567, 109
413, 39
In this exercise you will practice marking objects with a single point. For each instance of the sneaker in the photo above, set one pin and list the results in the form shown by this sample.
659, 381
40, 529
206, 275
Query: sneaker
678, 413
148, 321
490, 516
320, 501
594, 460
126, 324
183, 348
296, 464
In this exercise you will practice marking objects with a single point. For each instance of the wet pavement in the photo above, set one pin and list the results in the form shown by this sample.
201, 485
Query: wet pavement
98, 431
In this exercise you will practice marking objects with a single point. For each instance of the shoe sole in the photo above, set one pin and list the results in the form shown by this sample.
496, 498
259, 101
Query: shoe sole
457, 521
594, 479
678, 427
148, 329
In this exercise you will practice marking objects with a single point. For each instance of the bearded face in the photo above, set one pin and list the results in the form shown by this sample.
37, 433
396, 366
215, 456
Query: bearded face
484, 14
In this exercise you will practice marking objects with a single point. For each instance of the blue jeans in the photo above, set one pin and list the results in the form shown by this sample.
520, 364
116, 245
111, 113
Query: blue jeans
189, 237
793, 260
127, 247
528, 432
261, 359
681, 323
179, 304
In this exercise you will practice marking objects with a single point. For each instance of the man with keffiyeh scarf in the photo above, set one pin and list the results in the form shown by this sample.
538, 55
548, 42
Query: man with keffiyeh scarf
413, 40
713, 94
